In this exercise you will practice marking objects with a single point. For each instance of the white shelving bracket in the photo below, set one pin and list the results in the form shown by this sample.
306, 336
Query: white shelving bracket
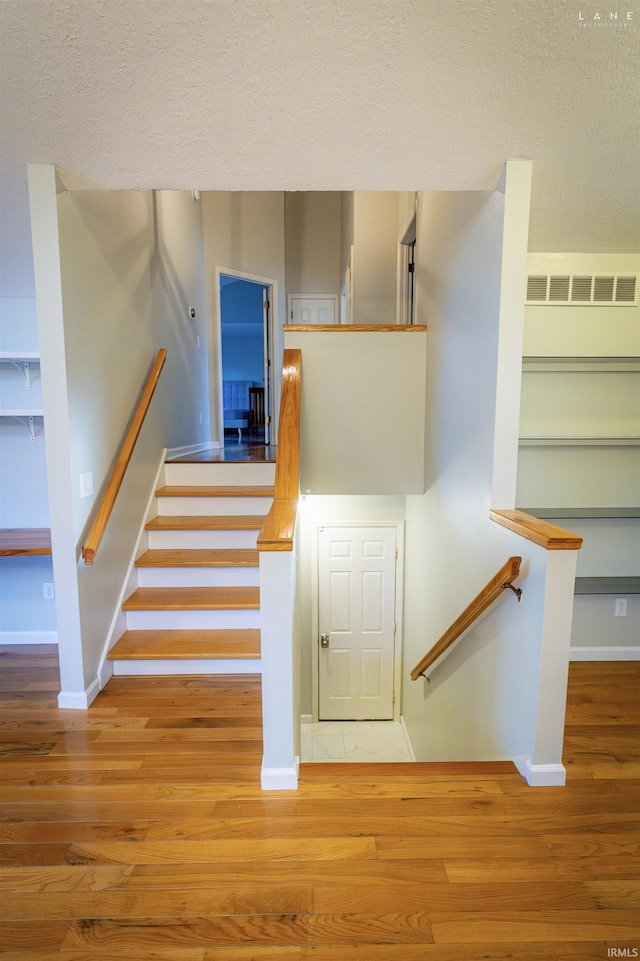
29, 423
26, 370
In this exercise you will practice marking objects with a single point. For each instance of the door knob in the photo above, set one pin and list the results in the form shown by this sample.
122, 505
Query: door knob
324, 640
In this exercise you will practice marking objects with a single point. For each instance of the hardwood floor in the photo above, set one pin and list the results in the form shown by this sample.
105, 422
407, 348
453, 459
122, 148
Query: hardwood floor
252, 449
136, 830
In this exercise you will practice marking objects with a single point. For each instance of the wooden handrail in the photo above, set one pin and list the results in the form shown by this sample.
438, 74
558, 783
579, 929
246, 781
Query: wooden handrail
277, 531
105, 506
541, 532
507, 573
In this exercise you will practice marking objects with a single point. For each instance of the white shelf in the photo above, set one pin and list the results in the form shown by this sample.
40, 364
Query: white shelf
22, 412
580, 364
579, 441
15, 356
583, 513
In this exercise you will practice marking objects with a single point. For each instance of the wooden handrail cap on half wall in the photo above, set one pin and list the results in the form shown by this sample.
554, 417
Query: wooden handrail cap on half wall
541, 532
278, 529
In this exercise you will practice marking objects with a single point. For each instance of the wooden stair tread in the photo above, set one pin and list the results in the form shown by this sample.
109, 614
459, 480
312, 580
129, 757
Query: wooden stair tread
193, 599
187, 645
224, 522
215, 491
183, 557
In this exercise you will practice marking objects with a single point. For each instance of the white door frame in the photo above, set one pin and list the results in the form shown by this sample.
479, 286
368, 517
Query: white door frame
408, 236
215, 360
399, 609
333, 297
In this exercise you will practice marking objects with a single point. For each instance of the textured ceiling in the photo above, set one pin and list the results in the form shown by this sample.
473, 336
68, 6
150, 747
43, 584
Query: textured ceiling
327, 94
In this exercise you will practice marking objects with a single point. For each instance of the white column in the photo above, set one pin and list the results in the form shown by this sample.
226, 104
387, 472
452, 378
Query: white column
277, 593
516, 186
544, 767
46, 257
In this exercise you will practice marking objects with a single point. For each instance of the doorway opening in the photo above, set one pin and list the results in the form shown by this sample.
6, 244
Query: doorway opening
356, 640
406, 274
245, 358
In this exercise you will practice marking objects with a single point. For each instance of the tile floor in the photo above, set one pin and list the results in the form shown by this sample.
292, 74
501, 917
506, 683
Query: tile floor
354, 741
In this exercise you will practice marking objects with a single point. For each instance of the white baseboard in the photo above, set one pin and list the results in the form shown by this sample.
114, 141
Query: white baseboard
192, 449
545, 775
604, 653
78, 700
279, 778
407, 738
28, 637
184, 666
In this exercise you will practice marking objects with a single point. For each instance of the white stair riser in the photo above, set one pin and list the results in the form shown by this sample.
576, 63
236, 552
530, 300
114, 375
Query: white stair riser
198, 576
187, 666
177, 540
224, 474
190, 620
213, 506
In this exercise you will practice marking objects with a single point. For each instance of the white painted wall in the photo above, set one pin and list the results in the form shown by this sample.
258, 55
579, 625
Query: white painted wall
483, 701
101, 321
362, 411
375, 257
312, 234
179, 283
24, 613
18, 323
596, 331
570, 476
110, 330
25, 616
243, 232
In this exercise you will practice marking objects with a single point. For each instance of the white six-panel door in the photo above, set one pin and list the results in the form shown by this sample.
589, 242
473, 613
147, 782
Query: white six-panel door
356, 592
312, 309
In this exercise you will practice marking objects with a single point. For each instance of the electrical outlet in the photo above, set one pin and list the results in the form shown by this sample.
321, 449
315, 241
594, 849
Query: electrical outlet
621, 607
86, 484
47, 591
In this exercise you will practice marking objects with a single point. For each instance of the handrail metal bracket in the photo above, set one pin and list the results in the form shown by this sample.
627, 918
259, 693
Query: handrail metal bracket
516, 590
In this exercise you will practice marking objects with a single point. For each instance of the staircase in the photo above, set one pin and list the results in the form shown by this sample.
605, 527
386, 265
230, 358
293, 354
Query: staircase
196, 609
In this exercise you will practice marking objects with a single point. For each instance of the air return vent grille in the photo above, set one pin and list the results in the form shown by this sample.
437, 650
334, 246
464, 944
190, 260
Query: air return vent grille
582, 289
